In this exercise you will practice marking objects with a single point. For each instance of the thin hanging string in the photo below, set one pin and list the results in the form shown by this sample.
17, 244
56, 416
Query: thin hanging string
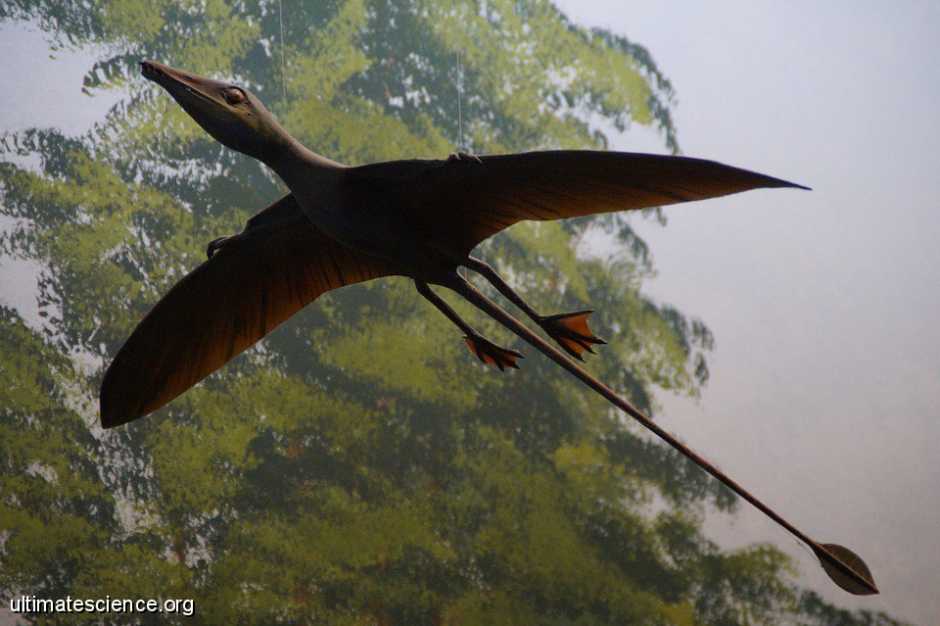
459, 109
280, 7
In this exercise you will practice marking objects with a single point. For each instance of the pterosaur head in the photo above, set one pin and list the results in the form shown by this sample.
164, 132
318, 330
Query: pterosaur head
231, 114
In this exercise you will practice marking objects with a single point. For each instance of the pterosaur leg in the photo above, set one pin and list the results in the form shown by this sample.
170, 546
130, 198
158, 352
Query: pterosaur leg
217, 244
842, 565
488, 352
570, 330
490, 274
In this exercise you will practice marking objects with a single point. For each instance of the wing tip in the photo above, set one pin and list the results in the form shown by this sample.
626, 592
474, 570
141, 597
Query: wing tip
113, 405
111, 420
112, 415
778, 183
787, 184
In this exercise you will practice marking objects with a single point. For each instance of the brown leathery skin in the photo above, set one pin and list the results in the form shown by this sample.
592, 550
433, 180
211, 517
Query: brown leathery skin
275, 268
341, 225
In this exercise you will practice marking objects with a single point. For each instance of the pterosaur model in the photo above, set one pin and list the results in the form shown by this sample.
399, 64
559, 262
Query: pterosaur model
421, 218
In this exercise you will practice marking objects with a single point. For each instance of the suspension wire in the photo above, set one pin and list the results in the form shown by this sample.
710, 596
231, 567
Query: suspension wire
459, 109
280, 6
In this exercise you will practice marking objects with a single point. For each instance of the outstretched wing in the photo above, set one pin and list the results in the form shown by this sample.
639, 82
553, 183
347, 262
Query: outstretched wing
279, 264
460, 202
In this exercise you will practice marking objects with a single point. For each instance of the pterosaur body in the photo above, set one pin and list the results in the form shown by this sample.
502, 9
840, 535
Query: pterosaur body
341, 225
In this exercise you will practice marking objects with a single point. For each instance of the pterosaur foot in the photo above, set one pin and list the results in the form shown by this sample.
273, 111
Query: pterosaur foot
464, 156
217, 244
491, 354
571, 331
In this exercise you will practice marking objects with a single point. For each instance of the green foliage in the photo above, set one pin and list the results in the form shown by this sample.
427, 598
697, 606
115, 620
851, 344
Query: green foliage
358, 466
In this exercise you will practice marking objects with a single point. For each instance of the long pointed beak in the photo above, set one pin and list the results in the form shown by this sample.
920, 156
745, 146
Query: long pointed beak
179, 82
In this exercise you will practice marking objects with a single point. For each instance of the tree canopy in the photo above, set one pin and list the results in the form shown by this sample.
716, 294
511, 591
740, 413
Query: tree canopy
338, 472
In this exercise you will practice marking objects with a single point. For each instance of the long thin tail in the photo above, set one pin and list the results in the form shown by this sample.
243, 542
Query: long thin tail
843, 566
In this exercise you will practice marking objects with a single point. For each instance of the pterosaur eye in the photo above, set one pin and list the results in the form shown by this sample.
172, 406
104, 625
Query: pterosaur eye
234, 95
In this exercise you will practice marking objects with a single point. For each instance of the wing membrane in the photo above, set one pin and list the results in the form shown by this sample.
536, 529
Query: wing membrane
278, 265
462, 203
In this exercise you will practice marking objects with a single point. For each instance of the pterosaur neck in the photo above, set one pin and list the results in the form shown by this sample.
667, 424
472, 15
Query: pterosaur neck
300, 167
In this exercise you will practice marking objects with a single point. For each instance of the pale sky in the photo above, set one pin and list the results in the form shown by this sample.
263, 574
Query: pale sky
825, 389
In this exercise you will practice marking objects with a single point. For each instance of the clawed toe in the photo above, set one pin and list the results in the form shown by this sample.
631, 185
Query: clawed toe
217, 244
464, 156
491, 354
572, 333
